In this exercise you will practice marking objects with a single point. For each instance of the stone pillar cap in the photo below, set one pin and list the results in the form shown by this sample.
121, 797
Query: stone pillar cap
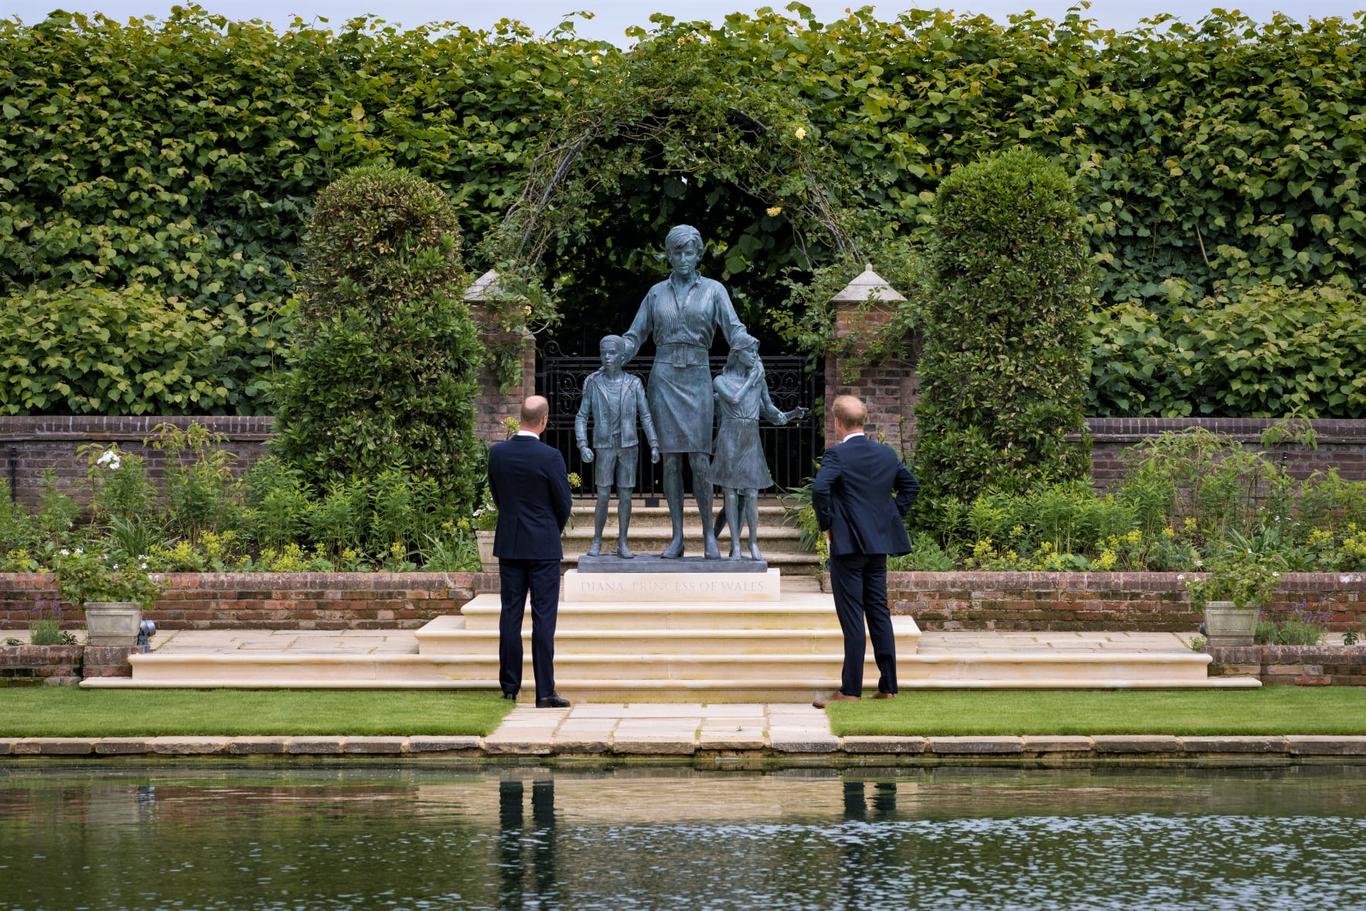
485, 287
868, 285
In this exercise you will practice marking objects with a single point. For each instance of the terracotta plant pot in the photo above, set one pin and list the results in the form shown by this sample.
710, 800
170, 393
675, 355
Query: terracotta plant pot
112, 622
1229, 626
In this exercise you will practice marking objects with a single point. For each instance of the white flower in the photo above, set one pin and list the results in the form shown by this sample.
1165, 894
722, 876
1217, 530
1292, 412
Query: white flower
109, 459
65, 552
800, 132
1277, 575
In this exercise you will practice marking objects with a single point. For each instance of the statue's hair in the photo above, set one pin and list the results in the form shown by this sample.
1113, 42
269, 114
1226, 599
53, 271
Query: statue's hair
683, 234
742, 341
621, 342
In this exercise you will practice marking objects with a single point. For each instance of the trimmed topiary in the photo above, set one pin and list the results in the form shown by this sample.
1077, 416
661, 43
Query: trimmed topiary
385, 365
1005, 360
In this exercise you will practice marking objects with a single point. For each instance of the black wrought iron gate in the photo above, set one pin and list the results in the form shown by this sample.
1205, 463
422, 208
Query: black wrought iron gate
791, 451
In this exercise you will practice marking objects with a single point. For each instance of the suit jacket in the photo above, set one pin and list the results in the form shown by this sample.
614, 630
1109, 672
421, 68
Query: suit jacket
530, 486
852, 495
610, 430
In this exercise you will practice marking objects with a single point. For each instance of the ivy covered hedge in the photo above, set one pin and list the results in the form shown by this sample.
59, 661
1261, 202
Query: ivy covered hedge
183, 156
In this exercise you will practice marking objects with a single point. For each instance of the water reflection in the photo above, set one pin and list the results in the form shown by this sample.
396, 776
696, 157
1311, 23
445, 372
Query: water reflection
639, 837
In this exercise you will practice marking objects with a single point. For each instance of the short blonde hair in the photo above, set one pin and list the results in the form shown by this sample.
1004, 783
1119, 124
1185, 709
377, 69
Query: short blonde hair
850, 411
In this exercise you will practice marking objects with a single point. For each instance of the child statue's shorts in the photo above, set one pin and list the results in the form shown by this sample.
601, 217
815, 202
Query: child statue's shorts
617, 465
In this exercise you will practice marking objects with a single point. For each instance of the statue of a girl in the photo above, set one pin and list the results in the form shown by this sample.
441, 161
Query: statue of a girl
737, 465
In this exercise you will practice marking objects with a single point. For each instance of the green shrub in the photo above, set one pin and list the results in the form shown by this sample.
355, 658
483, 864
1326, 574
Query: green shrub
88, 350
384, 372
201, 488
1262, 351
1004, 367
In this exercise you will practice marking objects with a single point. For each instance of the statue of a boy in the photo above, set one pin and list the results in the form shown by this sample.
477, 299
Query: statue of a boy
614, 400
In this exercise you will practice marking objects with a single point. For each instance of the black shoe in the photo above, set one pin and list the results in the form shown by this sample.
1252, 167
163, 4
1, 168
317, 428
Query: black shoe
553, 701
512, 696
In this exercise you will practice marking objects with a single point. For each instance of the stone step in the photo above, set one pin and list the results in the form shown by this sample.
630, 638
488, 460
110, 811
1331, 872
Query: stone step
795, 563
447, 636
796, 611
583, 531
709, 678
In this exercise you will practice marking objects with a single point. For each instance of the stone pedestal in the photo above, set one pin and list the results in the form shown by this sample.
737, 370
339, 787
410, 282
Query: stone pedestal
675, 587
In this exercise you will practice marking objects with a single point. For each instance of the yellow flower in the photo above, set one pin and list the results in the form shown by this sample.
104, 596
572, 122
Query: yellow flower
800, 133
774, 211
596, 59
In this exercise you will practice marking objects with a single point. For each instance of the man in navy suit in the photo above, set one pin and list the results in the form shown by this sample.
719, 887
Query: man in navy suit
530, 486
853, 497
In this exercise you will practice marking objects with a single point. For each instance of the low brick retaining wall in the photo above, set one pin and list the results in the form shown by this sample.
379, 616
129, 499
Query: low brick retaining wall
1144, 602
1293, 665
272, 600
61, 665
39, 665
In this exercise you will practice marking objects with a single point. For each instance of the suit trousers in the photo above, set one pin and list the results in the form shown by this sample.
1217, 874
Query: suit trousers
542, 579
860, 584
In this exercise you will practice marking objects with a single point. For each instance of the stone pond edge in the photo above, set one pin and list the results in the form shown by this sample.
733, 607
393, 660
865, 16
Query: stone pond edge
1290, 747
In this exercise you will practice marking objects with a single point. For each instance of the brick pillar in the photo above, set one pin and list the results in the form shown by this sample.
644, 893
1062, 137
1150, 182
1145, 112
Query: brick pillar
889, 387
495, 404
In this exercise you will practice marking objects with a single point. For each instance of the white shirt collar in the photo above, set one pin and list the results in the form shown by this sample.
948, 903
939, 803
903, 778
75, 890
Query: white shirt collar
856, 433
528, 433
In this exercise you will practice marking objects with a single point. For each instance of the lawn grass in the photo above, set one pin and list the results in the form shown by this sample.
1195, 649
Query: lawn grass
1269, 710
68, 711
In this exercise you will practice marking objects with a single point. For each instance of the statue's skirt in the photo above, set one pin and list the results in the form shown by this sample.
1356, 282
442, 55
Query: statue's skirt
681, 404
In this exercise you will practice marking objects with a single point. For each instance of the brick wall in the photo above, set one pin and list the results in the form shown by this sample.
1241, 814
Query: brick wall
31, 445
1341, 443
1293, 665
39, 665
890, 389
274, 601
495, 405
1153, 602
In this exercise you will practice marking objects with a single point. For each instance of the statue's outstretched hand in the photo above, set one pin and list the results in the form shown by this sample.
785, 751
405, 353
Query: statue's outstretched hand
796, 414
586, 454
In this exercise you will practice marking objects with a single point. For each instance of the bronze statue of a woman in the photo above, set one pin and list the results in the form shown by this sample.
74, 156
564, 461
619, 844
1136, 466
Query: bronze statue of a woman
682, 313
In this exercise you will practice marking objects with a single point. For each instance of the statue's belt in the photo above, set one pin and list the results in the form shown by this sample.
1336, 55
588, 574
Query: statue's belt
681, 354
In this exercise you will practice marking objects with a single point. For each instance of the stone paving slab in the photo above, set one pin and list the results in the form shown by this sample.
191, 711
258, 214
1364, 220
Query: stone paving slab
975, 746
1235, 744
879, 744
1056, 744
314, 746
375, 745
122, 746
432, 743
257, 746
1136, 743
1326, 745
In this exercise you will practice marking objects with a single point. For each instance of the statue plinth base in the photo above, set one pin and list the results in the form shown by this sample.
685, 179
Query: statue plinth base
680, 587
653, 563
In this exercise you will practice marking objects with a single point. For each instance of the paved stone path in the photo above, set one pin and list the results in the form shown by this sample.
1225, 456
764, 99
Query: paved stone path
663, 728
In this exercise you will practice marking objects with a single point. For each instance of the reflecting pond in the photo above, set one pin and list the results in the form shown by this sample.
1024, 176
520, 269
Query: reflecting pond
640, 837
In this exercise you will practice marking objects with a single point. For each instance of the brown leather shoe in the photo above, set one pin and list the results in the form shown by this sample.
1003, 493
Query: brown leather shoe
836, 696
882, 695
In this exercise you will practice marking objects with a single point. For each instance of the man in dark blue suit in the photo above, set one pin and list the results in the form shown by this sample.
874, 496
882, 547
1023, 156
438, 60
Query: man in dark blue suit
853, 497
530, 486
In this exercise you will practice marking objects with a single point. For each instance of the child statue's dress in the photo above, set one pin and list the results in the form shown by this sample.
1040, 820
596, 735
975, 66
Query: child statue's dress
738, 461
